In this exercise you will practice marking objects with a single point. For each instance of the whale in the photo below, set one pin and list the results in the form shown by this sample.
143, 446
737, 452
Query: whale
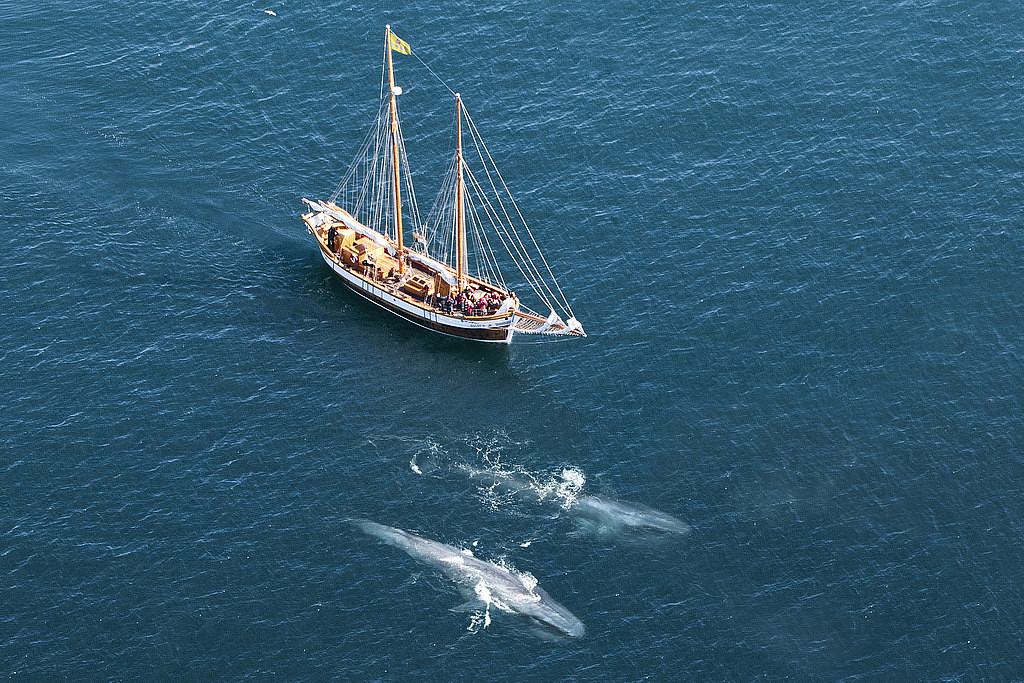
596, 513
483, 583
625, 519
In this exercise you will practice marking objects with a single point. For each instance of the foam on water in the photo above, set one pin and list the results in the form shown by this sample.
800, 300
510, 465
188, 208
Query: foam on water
571, 485
482, 621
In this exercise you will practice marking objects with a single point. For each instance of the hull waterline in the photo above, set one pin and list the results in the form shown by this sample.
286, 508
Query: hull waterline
481, 330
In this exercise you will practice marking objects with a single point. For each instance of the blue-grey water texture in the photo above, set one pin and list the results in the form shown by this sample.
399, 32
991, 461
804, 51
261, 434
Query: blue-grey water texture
792, 229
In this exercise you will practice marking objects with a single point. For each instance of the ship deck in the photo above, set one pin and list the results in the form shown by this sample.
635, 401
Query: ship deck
383, 272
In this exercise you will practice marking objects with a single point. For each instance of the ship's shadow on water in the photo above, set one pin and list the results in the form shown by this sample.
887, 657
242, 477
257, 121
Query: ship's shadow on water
372, 316
369, 318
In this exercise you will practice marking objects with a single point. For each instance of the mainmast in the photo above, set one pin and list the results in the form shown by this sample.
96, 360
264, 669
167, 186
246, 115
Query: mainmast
460, 212
394, 155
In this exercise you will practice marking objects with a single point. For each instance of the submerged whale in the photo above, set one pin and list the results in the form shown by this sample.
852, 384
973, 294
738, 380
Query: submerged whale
482, 582
624, 518
596, 513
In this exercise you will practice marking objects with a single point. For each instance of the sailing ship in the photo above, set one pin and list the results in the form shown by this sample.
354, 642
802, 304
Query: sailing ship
361, 232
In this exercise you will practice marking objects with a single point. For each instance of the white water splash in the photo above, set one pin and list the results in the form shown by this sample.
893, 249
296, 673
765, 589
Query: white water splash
571, 486
528, 580
481, 621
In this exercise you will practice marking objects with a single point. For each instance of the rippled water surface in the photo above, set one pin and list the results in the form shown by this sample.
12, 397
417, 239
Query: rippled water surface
793, 231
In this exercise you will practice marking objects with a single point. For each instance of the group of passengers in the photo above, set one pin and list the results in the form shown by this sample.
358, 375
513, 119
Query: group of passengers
468, 302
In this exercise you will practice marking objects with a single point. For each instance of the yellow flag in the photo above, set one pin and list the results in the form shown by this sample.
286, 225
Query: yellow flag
399, 45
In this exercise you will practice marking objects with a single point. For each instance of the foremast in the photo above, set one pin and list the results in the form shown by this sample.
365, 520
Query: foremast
393, 107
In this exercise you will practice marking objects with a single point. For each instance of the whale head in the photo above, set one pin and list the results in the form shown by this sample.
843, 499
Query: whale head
560, 620
542, 609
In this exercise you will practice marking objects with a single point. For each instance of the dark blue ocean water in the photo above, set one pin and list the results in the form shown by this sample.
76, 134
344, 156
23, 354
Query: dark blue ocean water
793, 231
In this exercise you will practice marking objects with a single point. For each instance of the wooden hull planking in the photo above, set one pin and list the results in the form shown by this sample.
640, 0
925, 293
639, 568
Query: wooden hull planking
491, 328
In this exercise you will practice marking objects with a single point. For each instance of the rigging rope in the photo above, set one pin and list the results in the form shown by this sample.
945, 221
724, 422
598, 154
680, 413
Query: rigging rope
564, 301
375, 172
439, 79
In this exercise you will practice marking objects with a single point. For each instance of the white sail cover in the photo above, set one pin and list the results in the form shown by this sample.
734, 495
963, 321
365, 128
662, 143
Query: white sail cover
553, 319
441, 269
352, 223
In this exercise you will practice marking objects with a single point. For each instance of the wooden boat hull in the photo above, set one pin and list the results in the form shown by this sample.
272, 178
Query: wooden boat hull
490, 329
